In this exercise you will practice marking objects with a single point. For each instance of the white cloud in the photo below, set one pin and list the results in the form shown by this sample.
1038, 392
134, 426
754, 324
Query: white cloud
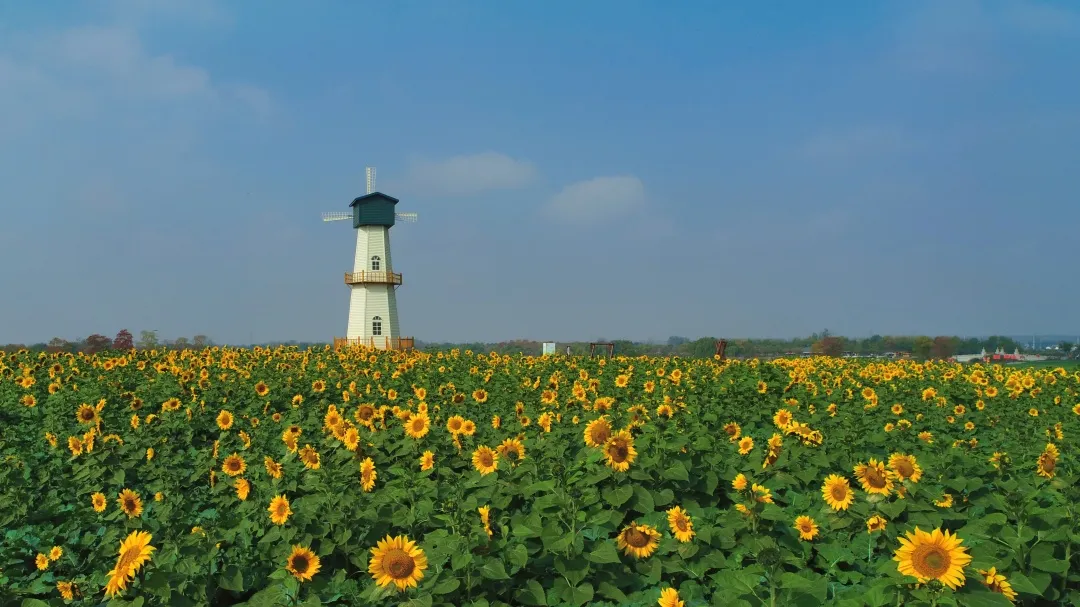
467, 175
598, 198
854, 144
89, 70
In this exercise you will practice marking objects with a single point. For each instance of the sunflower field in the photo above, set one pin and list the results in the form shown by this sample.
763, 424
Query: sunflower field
266, 477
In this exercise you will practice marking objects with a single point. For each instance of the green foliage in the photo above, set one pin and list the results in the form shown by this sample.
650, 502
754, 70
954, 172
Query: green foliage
555, 516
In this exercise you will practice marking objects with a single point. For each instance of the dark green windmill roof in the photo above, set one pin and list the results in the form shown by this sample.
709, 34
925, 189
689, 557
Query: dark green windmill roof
372, 197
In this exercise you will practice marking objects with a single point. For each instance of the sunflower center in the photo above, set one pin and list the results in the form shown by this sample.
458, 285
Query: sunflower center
300, 563
1047, 463
486, 459
838, 492
619, 451
636, 538
129, 503
931, 561
398, 564
874, 478
680, 524
905, 468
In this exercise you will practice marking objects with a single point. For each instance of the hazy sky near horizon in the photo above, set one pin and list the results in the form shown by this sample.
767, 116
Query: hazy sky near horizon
581, 170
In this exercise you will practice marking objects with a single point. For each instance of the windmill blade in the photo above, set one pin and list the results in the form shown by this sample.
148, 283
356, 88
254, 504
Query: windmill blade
336, 216
411, 217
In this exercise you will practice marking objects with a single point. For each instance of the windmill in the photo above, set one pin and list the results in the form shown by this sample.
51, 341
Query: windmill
373, 316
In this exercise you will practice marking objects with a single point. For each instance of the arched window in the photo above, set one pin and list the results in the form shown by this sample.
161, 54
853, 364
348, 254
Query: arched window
376, 326
376, 262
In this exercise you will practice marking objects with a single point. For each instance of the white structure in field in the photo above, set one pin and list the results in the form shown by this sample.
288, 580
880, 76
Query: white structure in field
549, 348
373, 315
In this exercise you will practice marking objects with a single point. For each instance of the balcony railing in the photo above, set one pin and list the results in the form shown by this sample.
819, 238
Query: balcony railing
384, 343
369, 277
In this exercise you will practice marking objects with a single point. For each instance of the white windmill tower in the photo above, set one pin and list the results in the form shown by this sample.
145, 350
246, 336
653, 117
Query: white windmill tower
373, 315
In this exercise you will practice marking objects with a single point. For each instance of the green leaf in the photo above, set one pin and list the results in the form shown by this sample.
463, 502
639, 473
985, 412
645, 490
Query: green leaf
1021, 584
232, 579
605, 553
617, 496
677, 472
493, 569
518, 556
446, 586
531, 594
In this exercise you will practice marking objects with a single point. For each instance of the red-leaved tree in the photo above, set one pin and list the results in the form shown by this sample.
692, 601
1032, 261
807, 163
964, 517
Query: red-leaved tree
96, 343
124, 340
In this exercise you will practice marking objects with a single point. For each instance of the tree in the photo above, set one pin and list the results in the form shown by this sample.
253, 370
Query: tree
57, 344
96, 343
148, 340
944, 347
921, 347
200, 341
1065, 347
181, 343
123, 340
828, 345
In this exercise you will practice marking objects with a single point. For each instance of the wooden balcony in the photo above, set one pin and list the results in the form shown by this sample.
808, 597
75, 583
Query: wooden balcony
382, 343
372, 278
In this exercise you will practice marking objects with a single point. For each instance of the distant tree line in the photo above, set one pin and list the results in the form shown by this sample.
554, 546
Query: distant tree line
123, 340
823, 343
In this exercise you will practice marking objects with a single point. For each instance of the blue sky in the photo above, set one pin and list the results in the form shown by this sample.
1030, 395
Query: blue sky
581, 170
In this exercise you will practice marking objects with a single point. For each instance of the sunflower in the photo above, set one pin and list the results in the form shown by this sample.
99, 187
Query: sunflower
997, 583
480, 395
782, 418
906, 467
639, 541
134, 552
669, 597
733, 430
279, 510
681, 525
739, 483
272, 468
243, 488
351, 438
837, 492
98, 501
56, 553
130, 503
746, 445
619, 451
368, 474
225, 420
67, 590
427, 460
302, 563
485, 460
807, 527
86, 414
936, 555
262, 389
875, 523
454, 424
762, 387
234, 465
418, 426
399, 561
310, 457
874, 478
485, 518
512, 449
42, 561
597, 432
